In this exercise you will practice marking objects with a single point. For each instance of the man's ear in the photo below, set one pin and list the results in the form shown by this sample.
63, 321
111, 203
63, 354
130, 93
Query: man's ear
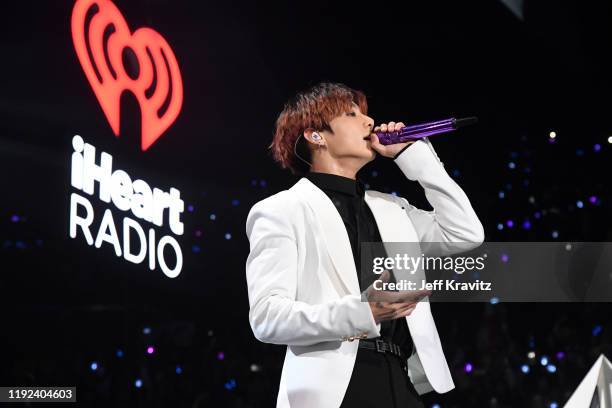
310, 135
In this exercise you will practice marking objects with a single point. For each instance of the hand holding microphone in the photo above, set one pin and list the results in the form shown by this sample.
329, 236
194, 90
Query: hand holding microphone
389, 150
389, 139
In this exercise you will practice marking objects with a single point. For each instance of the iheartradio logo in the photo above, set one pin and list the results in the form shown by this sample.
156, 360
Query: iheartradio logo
101, 38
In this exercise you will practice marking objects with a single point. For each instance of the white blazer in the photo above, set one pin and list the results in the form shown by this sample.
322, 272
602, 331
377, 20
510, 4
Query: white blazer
303, 285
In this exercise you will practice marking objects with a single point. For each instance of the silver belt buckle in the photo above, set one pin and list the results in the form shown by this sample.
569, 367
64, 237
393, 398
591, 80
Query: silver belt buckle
380, 346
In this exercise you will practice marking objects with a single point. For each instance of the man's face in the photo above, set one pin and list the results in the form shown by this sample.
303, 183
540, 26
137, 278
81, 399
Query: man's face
348, 141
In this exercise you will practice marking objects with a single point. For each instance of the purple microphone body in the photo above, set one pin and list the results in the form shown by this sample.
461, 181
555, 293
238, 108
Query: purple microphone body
414, 132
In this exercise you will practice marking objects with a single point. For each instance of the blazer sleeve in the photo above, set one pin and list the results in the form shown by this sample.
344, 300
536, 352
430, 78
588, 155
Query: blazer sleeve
452, 226
275, 315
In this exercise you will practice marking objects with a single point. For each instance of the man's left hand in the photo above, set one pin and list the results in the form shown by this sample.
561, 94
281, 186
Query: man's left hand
387, 150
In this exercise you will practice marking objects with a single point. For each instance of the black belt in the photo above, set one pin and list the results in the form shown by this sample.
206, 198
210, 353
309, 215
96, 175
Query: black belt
382, 346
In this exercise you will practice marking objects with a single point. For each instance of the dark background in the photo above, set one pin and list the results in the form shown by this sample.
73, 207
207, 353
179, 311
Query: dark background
66, 305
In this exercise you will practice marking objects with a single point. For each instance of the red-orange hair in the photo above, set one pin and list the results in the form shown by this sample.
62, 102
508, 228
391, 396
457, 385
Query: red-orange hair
312, 108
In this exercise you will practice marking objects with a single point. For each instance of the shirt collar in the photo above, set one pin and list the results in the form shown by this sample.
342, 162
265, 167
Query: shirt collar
334, 182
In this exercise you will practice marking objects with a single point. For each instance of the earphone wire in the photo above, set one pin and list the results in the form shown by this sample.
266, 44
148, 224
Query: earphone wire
296, 153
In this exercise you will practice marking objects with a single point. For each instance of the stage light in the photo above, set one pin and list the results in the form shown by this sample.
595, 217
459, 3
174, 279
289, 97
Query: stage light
213, 217
500, 226
537, 215
220, 356
504, 258
235, 202
544, 360
468, 367
551, 368
93, 366
435, 406
255, 368
526, 225
579, 204
198, 233
119, 353
553, 405
610, 139
560, 355
596, 330
494, 300
146, 330
597, 147
555, 234
196, 249
592, 199
525, 369
228, 236
190, 208
150, 350
509, 223
568, 247
501, 194
511, 165
14, 218
552, 135
531, 355
138, 383
178, 369
230, 385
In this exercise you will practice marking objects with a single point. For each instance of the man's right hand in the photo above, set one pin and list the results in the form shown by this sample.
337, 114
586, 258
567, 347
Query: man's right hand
391, 305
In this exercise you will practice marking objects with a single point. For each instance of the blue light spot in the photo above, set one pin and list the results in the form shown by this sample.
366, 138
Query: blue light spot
553, 405
544, 360
494, 300
500, 226
555, 234
190, 208
119, 353
526, 225
138, 383
178, 369
230, 385
228, 236
235, 202
597, 147
511, 165
501, 194
213, 217
525, 369
263, 183
196, 249
551, 368
597, 330
579, 204
146, 330
93, 366
456, 173
579, 152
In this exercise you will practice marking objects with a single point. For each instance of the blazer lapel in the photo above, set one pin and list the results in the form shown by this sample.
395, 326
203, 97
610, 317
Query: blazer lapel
394, 227
333, 231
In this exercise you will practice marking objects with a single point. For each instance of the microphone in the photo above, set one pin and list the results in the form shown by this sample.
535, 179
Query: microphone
414, 132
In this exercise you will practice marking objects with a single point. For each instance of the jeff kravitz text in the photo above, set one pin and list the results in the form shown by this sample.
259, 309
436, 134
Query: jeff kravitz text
135, 197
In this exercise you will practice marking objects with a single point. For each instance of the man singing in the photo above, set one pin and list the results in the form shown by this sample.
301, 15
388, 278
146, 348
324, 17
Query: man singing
303, 269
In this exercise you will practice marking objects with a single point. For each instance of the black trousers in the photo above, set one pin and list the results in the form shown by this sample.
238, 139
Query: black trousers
379, 381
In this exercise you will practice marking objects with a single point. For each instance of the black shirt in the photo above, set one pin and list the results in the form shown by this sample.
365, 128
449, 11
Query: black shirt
348, 197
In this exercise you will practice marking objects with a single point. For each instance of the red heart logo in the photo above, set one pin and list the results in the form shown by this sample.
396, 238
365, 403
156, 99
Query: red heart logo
101, 36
